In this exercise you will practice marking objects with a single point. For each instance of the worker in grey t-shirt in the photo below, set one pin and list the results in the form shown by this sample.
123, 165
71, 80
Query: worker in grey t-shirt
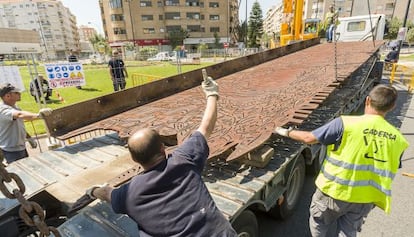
12, 131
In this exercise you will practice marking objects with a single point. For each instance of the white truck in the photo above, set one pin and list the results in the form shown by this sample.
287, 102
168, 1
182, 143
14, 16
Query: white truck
361, 28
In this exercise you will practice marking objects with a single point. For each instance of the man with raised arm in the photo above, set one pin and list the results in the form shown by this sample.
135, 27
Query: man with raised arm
170, 197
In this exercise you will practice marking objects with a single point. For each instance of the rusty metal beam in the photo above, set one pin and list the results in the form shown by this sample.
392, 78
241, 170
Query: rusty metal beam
66, 119
252, 101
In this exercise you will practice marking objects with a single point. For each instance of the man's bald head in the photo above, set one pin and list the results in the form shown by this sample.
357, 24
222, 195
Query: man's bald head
145, 145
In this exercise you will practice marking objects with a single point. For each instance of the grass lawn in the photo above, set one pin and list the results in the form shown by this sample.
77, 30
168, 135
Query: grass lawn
98, 83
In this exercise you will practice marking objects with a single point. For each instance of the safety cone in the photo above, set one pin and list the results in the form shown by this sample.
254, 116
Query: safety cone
60, 97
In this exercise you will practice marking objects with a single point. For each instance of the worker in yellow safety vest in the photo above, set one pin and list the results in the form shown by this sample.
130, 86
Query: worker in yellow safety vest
363, 156
330, 23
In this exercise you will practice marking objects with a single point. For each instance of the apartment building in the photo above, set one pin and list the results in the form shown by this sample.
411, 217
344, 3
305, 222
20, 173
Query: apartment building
55, 24
86, 32
273, 17
14, 41
149, 22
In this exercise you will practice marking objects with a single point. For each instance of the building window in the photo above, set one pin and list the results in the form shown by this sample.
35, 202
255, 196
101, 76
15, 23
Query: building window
172, 3
161, 17
173, 28
159, 3
193, 3
145, 4
117, 17
172, 16
214, 29
119, 31
389, 6
193, 15
115, 3
193, 28
149, 31
147, 18
213, 4
214, 17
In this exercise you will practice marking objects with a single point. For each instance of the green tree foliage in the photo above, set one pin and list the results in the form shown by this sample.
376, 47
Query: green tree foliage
240, 31
410, 36
130, 46
217, 44
255, 29
177, 37
99, 44
393, 26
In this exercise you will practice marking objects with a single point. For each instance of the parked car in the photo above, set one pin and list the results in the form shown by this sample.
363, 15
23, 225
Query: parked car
164, 56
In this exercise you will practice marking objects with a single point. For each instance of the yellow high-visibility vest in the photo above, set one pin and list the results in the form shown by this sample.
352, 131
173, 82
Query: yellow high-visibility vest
362, 168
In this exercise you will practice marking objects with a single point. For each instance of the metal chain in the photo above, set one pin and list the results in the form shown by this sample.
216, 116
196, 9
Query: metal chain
26, 207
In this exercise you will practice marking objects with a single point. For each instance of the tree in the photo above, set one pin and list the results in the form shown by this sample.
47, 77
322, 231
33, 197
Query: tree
99, 44
410, 36
255, 29
393, 26
216, 40
177, 37
240, 31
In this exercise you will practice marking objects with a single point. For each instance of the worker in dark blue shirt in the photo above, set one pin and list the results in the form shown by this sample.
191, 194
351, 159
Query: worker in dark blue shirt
392, 56
170, 197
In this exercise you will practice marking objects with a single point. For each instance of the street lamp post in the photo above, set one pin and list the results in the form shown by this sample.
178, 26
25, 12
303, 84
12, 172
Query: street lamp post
404, 25
132, 22
245, 37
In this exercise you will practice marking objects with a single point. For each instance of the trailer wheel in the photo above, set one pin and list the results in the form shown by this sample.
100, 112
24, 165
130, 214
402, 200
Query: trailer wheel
246, 224
293, 192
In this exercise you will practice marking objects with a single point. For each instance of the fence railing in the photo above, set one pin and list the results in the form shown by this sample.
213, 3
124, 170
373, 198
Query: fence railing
140, 79
403, 74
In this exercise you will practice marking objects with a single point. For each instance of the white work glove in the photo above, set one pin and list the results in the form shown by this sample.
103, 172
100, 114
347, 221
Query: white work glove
90, 190
283, 131
210, 87
45, 112
32, 142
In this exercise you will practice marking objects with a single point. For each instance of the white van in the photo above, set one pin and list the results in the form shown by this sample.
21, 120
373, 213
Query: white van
358, 28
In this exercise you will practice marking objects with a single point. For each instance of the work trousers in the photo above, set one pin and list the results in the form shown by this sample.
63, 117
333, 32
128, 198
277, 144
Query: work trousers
330, 33
331, 217
12, 156
119, 84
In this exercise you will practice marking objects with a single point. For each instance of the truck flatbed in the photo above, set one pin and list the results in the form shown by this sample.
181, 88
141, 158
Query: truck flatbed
237, 185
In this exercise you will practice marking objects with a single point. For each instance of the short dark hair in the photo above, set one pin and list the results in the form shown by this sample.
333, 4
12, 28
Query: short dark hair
7, 88
145, 147
383, 97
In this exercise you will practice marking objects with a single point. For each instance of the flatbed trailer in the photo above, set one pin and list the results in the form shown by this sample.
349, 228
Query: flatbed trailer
57, 178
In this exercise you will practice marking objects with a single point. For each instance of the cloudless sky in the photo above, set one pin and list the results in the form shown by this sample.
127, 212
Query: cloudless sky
87, 11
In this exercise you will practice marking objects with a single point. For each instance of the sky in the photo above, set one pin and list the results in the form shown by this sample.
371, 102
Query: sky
87, 11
